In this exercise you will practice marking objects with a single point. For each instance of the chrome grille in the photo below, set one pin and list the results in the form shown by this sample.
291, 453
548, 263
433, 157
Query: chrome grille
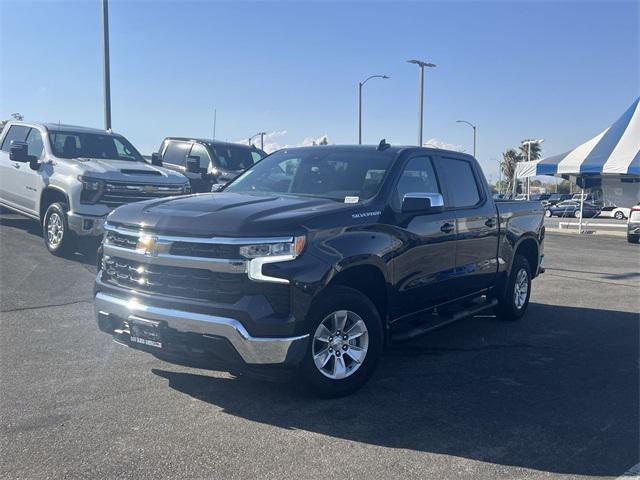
191, 283
116, 194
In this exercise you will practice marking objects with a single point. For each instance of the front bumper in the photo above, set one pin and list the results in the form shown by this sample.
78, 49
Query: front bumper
112, 311
90, 225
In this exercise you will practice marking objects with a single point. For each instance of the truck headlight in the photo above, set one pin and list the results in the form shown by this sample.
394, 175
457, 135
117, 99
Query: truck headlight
270, 252
186, 188
279, 249
91, 189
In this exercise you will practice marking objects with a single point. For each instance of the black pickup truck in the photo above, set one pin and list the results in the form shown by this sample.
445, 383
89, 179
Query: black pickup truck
314, 259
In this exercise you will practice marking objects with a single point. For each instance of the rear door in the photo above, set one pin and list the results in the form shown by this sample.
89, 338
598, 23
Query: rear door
476, 224
424, 270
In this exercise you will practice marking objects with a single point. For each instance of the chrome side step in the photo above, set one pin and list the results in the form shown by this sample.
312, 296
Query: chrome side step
441, 321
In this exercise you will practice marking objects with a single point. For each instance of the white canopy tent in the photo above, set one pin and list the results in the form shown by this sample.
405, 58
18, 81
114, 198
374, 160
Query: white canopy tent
610, 160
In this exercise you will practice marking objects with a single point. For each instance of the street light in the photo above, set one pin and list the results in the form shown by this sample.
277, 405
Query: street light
360, 84
528, 144
262, 134
474, 134
421, 64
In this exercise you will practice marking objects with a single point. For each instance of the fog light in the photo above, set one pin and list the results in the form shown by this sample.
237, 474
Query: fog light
87, 224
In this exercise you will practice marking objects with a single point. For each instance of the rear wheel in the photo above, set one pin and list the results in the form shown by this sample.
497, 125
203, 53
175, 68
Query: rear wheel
514, 301
547, 213
55, 228
577, 214
346, 343
619, 215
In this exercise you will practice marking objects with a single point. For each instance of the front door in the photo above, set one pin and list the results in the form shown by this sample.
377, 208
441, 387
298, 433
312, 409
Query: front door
423, 271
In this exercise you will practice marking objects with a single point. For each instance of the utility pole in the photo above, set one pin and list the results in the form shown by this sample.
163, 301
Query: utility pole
105, 53
474, 134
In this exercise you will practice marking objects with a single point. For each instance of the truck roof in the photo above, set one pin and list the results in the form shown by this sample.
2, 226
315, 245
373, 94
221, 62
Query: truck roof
209, 141
393, 149
65, 127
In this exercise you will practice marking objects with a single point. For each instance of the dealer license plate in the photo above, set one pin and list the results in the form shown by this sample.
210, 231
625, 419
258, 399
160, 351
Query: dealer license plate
145, 332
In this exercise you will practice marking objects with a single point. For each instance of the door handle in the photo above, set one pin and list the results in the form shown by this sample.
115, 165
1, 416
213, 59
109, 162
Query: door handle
491, 222
447, 227
16, 165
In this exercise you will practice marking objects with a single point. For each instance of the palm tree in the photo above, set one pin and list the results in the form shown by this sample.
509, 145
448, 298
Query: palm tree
509, 160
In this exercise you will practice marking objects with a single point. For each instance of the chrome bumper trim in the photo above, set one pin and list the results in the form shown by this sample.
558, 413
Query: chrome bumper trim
253, 350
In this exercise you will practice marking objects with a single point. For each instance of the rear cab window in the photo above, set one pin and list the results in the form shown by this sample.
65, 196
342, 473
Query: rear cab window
462, 186
176, 153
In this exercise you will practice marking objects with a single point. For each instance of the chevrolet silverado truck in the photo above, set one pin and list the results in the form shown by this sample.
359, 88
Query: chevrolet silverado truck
69, 178
314, 259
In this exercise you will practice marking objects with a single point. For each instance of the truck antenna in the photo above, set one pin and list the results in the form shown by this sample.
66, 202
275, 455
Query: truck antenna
383, 145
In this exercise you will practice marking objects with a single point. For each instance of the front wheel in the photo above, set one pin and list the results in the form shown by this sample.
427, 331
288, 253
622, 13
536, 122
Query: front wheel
547, 213
513, 303
345, 345
619, 216
55, 228
577, 214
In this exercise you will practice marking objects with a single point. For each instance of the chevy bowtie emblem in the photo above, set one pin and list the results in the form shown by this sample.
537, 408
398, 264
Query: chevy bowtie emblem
151, 246
149, 189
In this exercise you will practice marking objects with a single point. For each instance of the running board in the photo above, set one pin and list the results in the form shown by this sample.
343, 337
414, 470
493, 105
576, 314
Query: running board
429, 327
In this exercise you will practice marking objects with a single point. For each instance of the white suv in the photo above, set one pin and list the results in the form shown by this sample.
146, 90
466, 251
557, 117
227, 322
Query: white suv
69, 178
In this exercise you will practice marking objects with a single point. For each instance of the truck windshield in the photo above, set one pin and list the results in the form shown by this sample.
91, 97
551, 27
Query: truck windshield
342, 176
67, 144
236, 158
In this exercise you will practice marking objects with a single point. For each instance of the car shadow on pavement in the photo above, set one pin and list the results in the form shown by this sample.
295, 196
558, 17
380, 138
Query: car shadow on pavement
556, 392
87, 250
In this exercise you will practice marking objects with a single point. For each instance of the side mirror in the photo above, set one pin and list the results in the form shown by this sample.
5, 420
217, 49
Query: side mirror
193, 164
19, 151
156, 159
217, 187
422, 203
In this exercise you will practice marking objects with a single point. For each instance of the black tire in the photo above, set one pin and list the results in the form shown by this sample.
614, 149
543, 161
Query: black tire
507, 308
633, 238
56, 214
548, 214
333, 300
619, 216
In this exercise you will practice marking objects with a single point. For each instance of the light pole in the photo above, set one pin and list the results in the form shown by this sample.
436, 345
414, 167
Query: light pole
474, 134
421, 64
105, 58
360, 85
528, 144
262, 134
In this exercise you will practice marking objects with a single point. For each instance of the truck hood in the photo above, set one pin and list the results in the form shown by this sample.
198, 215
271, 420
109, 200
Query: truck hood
126, 171
228, 214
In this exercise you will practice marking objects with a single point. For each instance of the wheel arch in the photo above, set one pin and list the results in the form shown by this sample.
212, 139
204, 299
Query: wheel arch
51, 195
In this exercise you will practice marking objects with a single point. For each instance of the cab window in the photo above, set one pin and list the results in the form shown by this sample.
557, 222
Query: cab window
176, 153
16, 132
34, 143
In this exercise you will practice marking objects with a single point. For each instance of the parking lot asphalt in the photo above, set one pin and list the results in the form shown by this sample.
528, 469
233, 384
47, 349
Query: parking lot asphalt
552, 396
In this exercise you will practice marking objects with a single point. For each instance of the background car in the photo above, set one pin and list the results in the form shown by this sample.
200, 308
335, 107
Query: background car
619, 213
206, 162
571, 208
557, 198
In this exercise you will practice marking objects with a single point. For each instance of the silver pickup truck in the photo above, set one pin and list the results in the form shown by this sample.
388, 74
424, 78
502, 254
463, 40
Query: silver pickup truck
69, 178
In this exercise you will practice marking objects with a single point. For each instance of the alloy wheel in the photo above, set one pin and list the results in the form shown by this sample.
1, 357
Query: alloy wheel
55, 230
340, 344
521, 288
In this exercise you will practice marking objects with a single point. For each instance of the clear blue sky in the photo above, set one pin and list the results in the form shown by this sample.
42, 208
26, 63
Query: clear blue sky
562, 71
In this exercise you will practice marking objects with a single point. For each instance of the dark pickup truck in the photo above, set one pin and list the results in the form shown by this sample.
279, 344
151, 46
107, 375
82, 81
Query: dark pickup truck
314, 259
